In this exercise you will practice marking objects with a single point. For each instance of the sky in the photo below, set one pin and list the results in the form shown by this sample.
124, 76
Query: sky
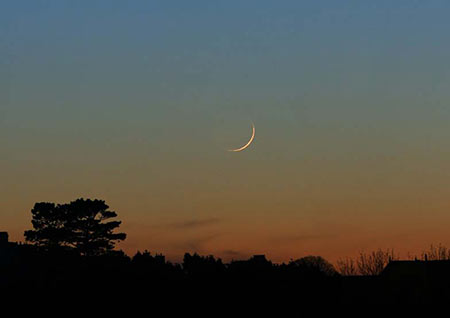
137, 102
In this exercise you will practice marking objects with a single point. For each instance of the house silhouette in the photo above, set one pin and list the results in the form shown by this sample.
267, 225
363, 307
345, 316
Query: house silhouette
418, 281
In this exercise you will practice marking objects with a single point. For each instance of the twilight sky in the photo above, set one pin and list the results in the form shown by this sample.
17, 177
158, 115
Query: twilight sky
136, 103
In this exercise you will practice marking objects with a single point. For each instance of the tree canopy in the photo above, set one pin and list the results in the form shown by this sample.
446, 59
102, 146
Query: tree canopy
314, 265
80, 225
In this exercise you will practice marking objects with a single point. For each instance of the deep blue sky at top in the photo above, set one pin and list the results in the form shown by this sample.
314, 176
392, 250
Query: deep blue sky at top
100, 97
129, 68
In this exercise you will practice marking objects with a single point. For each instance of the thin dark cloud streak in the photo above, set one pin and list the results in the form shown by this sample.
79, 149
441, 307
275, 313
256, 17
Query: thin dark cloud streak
303, 237
234, 254
193, 224
197, 244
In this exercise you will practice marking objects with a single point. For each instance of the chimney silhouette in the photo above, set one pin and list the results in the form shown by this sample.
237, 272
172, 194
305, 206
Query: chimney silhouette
3, 238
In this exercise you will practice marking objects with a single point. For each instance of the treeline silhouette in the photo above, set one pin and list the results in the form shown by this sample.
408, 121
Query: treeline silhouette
71, 249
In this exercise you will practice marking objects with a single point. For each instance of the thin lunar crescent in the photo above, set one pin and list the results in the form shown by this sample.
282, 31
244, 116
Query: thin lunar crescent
248, 143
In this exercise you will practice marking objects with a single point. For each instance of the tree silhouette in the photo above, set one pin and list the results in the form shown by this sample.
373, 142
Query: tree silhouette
79, 225
202, 266
314, 265
347, 267
49, 223
436, 253
369, 264
375, 262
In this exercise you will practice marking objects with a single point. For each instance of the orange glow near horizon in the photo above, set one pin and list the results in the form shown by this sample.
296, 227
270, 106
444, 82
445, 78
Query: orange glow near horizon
137, 103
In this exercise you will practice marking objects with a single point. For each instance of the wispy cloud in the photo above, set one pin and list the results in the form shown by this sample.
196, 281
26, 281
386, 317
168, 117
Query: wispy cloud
195, 223
302, 237
233, 254
197, 244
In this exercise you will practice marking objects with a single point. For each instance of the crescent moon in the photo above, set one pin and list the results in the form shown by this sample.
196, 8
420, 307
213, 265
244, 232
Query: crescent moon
248, 143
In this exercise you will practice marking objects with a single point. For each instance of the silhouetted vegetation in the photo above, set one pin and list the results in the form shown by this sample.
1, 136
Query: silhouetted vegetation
79, 226
71, 249
314, 265
436, 253
367, 264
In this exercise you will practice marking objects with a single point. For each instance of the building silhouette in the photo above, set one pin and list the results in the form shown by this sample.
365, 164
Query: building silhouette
422, 281
25, 267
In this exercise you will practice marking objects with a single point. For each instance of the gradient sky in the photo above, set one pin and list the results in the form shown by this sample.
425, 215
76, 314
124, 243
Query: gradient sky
136, 102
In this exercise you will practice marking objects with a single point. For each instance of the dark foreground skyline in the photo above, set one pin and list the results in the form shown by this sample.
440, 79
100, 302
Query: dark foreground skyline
303, 282
89, 227
71, 249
